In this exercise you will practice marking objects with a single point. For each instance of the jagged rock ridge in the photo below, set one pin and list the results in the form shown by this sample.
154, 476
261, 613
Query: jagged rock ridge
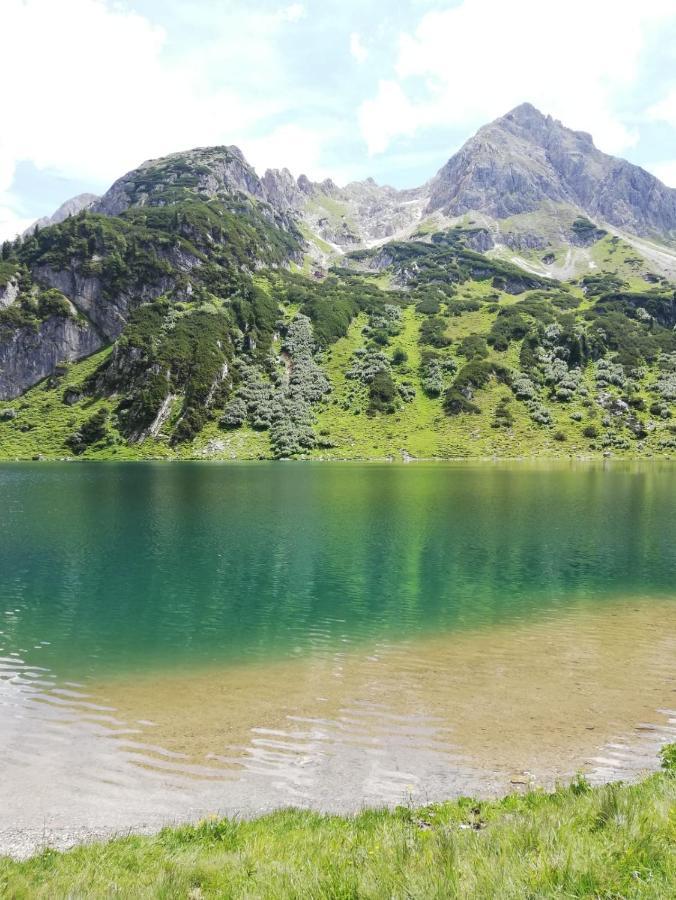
511, 166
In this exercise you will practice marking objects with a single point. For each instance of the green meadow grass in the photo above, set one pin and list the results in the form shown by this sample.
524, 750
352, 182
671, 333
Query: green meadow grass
419, 428
614, 841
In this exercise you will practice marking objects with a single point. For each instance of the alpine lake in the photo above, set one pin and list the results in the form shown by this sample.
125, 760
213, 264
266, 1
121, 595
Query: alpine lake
186, 639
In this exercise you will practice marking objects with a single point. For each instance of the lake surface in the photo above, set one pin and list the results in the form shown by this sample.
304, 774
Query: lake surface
190, 637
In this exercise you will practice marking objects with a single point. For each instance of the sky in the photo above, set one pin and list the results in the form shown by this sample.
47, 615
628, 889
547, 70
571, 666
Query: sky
339, 88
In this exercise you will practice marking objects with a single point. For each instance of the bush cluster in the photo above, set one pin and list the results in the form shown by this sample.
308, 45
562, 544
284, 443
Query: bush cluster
564, 382
384, 323
458, 398
433, 368
609, 373
91, 432
366, 364
432, 332
473, 346
382, 394
666, 381
282, 403
523, 387
503, 417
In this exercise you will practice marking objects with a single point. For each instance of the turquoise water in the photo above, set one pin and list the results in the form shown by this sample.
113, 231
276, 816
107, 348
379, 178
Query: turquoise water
108, 569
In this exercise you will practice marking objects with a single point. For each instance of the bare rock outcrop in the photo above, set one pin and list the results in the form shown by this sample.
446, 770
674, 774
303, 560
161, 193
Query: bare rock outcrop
29, 354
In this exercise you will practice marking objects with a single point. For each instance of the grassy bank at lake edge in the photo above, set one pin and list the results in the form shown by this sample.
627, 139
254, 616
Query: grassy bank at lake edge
613, 841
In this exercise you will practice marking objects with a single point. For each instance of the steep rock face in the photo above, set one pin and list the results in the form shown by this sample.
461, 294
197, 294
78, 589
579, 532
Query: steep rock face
362, 212
381, 211
109, 313
525, 158
27, 355
283, 191
8, 293
632, 198
86, 294
501, 171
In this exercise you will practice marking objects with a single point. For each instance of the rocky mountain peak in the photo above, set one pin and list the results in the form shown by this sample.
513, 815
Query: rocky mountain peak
282, 189
523, 162
70, 208
304, 184
526, 116
527, 123
207, 171
525, 158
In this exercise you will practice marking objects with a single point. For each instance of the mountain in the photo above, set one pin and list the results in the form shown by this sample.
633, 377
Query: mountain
209, 173
70, 208
518, 302
525, 158
525, 176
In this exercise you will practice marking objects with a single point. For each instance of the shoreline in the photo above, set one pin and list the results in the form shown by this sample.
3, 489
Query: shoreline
578, 840
393, 723
401, 459
24, 843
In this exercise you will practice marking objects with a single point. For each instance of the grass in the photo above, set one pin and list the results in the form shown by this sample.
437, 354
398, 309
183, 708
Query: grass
419, 428
614, 841
423, 430
309, 235
612, 254
336, 210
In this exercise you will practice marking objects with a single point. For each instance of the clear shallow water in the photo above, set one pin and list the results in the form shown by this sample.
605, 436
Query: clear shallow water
184, 638
134, 567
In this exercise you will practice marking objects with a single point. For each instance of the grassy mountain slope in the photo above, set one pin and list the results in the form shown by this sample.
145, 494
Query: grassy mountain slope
186, 315
423, 348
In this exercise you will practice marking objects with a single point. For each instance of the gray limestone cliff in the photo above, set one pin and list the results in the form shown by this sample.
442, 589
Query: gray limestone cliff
29, 354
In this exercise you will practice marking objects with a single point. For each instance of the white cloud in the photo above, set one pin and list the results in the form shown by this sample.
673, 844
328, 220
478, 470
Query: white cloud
290, 146
665, 171
357, 49
466, 65
665, 109
12, 224
293, 13
91, 91
387, 116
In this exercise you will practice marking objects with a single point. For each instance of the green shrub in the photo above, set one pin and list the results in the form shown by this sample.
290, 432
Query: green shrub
473, 346
429, 305
90, 432
53, 303
382, 393
503, 417
668, 757
455, 403
509, 325
432, 332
